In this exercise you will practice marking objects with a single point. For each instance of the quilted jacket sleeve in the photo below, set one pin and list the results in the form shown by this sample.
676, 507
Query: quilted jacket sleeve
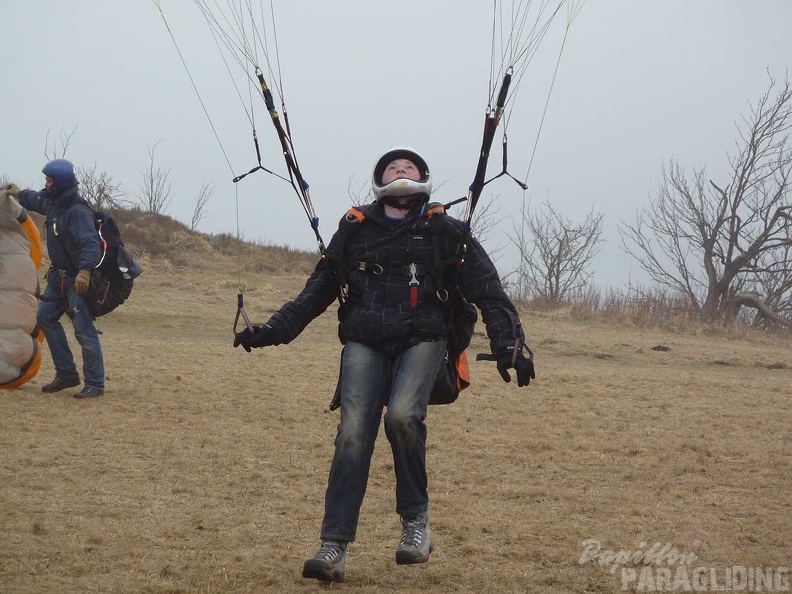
480, 284
319, 292
31, 200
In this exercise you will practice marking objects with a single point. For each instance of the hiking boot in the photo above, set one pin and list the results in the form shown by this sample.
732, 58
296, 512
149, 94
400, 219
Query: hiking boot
60, 383
89, 392
416, 540
328, 563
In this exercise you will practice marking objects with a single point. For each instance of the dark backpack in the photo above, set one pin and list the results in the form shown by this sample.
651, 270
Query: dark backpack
454, 374
112, 279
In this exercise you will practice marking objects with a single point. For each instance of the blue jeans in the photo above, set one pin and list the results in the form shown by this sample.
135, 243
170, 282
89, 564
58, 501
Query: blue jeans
370, 380
60, 289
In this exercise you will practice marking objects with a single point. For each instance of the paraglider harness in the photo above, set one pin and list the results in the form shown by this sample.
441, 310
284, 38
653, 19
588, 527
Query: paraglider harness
112, 279
461, 316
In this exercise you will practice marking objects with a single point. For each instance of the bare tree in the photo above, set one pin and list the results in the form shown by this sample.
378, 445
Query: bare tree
155, 189
360, 195
205, 193
713, 243
520, 239
555, 252
99, 188
770, 295
55, 151
486, 220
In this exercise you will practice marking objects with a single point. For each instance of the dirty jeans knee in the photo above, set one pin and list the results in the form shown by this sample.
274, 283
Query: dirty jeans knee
414, 375
363, 382
88, 337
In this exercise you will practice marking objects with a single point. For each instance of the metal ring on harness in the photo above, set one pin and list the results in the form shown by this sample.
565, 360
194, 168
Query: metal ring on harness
371, 267
442, 295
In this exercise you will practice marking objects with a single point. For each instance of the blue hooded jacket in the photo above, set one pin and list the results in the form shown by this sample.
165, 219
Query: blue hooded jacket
72, 241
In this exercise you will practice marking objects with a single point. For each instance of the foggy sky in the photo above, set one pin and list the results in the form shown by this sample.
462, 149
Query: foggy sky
638, 83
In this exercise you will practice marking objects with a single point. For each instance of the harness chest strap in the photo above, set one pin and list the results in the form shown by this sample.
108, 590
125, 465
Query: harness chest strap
413, 283
334, 254
350, 224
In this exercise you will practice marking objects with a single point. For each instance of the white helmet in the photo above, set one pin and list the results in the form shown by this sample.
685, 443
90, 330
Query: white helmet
401, 187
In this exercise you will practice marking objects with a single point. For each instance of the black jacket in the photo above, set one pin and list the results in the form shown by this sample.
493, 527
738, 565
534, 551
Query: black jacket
374, 260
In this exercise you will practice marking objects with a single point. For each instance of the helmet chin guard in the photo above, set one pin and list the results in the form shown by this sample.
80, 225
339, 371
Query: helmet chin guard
401, 187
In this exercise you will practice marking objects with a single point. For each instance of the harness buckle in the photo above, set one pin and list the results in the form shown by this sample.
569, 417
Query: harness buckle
413, 271
371, 267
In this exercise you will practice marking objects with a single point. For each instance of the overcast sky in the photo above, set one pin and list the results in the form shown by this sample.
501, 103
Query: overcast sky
639, 82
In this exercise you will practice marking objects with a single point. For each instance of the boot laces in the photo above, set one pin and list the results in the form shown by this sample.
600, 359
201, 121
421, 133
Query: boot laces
412, 532
329, 551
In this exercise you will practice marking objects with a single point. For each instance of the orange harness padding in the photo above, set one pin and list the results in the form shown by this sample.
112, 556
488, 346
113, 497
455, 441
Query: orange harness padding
463, 369
355, 215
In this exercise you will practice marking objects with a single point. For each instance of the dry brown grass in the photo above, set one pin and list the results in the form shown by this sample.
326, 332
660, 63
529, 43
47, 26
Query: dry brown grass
203, 468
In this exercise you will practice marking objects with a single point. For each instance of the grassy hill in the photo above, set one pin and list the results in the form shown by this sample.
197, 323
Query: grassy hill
203, 468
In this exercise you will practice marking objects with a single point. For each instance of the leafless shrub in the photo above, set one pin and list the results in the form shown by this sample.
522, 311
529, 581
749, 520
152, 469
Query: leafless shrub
555, 252
155, 188
361, 194
59, 148
205, 194
99, 188
486, 219
649, 307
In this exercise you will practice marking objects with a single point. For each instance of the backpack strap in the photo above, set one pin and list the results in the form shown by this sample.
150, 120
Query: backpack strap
439, 226
334, 254
355, 215
348, 225
351, 223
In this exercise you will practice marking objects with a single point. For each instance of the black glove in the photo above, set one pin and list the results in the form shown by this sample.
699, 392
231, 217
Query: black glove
261, 336
523, 365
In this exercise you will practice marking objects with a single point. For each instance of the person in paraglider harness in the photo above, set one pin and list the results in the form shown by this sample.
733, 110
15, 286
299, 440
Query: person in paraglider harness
68, 278
397, 267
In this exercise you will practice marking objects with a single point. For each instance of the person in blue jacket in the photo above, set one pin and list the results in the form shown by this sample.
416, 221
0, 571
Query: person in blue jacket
74, 249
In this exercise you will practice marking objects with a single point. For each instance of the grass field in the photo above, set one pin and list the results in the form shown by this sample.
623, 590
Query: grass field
203, 468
